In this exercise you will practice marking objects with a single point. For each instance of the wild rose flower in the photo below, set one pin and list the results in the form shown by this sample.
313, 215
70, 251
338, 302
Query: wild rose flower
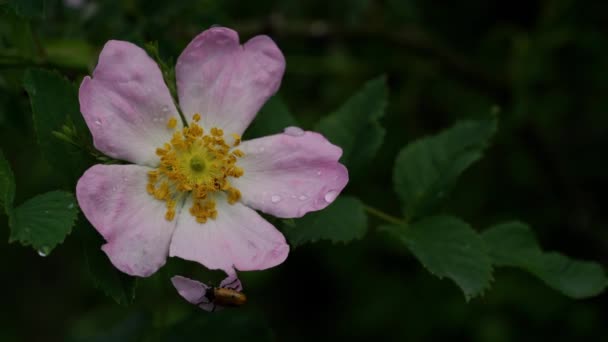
192, 191
202, 295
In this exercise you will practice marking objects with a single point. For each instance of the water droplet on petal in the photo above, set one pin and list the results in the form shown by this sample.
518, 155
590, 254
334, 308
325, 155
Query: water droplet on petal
275, 198
293, 131
97, 122
319, 173
303, 198
165, 109
330, 196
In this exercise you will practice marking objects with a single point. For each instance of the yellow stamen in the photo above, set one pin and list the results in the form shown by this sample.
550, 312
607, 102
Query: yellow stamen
172, 123
195, 164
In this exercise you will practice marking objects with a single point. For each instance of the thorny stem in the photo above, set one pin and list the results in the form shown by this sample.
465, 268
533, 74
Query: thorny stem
382, 215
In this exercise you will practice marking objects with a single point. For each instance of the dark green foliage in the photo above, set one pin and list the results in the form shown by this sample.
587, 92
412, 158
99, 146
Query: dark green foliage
513, 244
44, 221
104, 276
343, 221
355, 125
55, 106
449, 247
7, 184
427, 169
273, 118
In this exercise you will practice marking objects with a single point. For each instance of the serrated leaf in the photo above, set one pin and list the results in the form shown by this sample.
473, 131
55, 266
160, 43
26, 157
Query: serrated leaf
28, 8
7, 185
55, 104
342, 221
273, 118
355, 127
105, 277
44, 220
427, 169
449, 247
513, 244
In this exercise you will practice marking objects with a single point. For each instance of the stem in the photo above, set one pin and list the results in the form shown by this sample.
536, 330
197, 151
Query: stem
382, 215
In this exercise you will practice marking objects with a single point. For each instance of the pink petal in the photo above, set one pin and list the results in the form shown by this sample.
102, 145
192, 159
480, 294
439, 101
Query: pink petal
127, 104
114, 199
193, 291
289, 175
227, 83
238, 238
232, 282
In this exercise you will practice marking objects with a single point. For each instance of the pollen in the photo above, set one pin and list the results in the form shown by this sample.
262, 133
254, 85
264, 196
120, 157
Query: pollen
196, 164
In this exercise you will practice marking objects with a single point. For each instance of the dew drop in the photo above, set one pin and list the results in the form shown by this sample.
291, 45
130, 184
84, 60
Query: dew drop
330, 196
97, 122
275, 198
294, 131
303, 198
43, 251
165, 109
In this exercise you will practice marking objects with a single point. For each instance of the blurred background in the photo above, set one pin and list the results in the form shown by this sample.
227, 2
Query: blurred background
544, 63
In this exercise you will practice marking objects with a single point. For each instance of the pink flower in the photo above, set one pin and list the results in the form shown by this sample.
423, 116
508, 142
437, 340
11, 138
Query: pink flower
192, 192
203, 295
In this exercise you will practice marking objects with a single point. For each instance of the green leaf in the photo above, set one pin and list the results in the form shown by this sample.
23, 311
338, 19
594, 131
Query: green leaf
513, 244
105, 277
55, 105
342, 221
355, 127
449, 247
7, 185
427, 169
273, 118
44, 220
28, 8
70, 52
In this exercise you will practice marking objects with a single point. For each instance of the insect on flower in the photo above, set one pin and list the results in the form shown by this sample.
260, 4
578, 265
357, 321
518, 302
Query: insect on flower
211, 298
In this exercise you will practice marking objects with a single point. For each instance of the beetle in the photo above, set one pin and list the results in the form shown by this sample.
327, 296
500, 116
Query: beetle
225, 295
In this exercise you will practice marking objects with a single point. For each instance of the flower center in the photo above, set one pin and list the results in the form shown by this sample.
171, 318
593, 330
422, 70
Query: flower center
197, 164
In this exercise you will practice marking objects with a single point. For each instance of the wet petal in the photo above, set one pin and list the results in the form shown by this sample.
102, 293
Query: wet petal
238, 238
114, 199
289, 175
227, 83
126, 104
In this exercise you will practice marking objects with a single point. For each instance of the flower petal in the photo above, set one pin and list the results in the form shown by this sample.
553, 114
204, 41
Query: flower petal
290, 175
227, 83
114, 199
193, 291
238, 238
127, 104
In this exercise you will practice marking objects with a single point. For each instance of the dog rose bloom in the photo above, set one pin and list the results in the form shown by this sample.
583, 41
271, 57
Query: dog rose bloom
192, 191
